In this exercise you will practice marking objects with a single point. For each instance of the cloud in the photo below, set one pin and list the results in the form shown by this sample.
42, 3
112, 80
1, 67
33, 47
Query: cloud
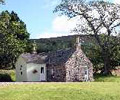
51, 35
63, 24
48, 35
116, 1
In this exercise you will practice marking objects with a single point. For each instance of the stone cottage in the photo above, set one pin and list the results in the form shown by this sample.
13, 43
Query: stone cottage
69, 65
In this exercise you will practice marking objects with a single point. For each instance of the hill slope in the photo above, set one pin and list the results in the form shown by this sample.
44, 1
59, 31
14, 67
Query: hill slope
52, 44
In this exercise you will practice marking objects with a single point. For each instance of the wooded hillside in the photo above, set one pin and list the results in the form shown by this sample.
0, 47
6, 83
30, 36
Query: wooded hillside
52, 44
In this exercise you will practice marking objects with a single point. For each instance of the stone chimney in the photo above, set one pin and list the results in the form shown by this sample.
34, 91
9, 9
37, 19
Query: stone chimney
34, 47
78, 42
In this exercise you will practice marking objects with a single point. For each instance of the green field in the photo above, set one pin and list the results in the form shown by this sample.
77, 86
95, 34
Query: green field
61, 91
108, 78
103, 88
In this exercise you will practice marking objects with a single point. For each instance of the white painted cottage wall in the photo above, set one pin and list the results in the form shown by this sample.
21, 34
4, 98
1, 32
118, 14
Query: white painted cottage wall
35, 76
21, 62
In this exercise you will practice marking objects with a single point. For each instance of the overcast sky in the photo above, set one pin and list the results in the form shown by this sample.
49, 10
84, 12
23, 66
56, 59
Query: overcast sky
39, 17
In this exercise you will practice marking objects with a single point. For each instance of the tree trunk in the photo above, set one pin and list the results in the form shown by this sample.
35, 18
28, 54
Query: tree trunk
107, 67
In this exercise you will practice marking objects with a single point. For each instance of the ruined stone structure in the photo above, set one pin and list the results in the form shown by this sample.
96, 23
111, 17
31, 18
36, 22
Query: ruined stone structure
69, 65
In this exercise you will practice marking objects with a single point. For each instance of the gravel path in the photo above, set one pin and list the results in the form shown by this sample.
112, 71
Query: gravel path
19, 83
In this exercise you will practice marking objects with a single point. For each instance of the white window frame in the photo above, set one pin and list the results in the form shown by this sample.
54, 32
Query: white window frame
86, 75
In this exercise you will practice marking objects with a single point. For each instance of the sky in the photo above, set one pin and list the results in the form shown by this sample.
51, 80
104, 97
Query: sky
39, 17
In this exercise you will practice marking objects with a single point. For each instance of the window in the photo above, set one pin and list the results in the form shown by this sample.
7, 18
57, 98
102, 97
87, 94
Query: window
69, 72
86, 70
21, 67
52, 71
42, 69
35, 71
86, 73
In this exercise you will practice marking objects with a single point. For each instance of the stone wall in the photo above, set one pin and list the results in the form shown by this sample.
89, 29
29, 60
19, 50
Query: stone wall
75, 67
56, 73
69, 65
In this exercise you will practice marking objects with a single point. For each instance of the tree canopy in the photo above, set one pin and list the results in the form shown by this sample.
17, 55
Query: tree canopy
101, 19
13, 38
2, 1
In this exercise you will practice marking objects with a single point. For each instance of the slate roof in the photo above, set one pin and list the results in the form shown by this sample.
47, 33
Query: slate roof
34, 58
55, 58
59, 57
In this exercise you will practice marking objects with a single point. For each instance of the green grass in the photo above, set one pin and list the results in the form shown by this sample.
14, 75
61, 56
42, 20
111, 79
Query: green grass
104, 88
62, 91
108, 78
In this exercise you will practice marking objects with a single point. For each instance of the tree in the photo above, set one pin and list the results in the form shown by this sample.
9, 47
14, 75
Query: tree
2, 1
99, 18
13, 38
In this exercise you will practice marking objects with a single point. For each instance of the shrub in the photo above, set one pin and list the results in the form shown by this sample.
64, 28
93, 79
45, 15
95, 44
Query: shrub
7, 75
5, 78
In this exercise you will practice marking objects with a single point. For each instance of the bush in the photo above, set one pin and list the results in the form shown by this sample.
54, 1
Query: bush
7, 75
5, 78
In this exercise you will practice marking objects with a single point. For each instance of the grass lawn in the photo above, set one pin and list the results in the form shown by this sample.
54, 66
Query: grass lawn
104, 88
61, 91
108, 78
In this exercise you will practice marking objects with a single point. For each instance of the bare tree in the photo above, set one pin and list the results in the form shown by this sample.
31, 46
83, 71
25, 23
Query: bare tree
99, 18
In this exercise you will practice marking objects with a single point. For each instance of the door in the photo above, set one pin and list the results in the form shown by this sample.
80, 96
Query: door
86, 73
42, 74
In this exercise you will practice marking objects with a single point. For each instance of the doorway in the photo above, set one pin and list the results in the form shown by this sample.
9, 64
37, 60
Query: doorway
42, 73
